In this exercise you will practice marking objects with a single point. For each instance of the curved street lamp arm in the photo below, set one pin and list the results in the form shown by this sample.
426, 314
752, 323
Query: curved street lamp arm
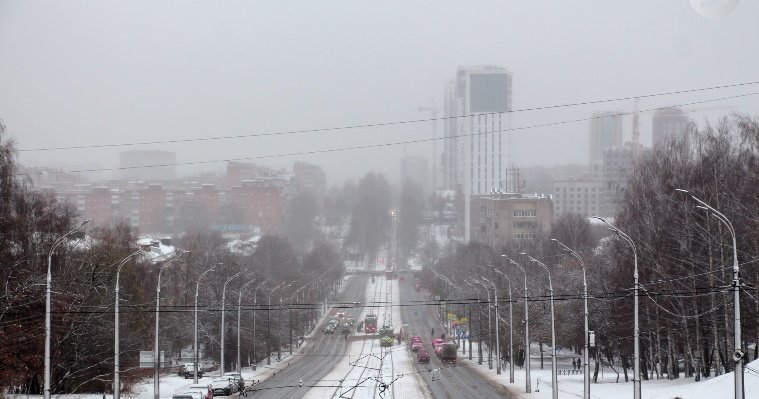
620, 232
230, 278
58, 241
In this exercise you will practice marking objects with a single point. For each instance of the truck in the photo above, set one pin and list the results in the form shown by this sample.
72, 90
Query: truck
448, 353
370, 324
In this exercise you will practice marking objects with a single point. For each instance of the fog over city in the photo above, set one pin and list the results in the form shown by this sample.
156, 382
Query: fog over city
79, 73
412, 199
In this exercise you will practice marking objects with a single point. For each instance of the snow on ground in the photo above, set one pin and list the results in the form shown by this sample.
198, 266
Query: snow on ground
171, 384
366, 365
571, 386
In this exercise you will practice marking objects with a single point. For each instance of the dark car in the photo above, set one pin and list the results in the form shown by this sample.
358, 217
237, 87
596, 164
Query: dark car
423, 356
448, 353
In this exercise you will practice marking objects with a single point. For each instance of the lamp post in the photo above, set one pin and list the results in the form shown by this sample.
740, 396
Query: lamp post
239, 312
511, 327
195, 351
528, 382
48, 294
554, 381
116, 382
738, 352
636, 328
223, 300
268, 325
479, 343
497, 334
586, 356
255, 304
490, 329
156, 359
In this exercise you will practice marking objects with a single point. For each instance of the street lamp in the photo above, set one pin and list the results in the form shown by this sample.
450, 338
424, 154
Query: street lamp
268, 325
497, 335
738, 353
195, 350
116, 382
586, 356
48, 294
479, 318
490, 347
528, 382
255, 304
636, 328
239, 311
511, 327
554, 382
156, 359
223, 302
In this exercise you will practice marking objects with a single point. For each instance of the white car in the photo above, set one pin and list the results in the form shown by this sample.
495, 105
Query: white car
238, 378
188, 395
223, 386
205, 390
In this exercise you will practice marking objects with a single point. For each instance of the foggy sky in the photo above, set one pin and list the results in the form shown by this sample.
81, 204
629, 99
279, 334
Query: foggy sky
97, 72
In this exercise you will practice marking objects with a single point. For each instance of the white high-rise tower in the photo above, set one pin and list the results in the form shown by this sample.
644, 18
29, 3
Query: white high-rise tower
477, 105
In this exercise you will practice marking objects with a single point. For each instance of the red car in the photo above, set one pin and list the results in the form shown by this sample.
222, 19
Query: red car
437, 342
416, 346
423, 356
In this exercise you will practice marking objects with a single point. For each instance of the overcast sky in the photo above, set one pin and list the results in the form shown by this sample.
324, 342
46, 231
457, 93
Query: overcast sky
101, 72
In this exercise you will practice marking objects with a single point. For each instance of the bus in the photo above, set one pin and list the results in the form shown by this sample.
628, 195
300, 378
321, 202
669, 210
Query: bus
370, 324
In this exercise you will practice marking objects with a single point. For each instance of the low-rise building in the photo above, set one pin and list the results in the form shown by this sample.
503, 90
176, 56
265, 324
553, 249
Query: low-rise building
514, 218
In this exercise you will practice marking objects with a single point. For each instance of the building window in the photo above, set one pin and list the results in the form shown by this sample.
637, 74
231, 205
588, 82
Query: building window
524, 213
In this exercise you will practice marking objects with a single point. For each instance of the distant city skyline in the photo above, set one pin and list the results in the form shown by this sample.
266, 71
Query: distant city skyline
106, 73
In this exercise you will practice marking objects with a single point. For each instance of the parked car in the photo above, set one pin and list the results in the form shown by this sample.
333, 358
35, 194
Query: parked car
423, 356
238, 378
188, 395
437, 342
223, 386
204, 389
187, 370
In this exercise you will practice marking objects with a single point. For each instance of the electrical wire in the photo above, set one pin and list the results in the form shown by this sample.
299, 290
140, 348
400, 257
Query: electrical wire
391, 123
388, 144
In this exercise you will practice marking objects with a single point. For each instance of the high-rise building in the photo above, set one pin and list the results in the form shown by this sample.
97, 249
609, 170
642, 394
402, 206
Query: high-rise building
669, 123
605, 132
476, 106
144, 165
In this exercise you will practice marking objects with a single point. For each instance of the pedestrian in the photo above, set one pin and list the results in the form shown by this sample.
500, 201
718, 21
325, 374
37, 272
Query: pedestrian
432, 332
442, 336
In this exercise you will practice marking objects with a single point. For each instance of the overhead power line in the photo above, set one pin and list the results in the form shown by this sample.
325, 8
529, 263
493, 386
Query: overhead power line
396, 143
383, 124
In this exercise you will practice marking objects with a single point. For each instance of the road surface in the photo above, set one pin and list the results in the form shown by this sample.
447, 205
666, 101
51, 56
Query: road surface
458, 381
319, 356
